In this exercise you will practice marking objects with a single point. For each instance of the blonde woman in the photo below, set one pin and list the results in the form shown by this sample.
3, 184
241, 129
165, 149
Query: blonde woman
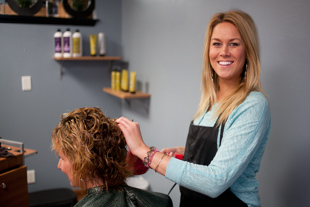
230, 130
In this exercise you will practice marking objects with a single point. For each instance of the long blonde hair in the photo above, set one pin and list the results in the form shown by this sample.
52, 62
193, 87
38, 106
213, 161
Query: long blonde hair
210, 86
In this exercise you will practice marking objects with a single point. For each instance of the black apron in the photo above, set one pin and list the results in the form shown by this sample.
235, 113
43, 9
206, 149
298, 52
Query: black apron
201, 147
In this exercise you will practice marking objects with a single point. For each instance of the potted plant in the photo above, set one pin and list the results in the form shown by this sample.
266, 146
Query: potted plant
25, 7
24, 3
79, 5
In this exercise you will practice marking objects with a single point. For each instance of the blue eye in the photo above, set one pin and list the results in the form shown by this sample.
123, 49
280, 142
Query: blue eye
216, 44
234, 44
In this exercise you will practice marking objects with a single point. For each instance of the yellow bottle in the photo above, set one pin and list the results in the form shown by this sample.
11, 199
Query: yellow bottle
77, 44
118, 80
132, 83
93, 45
113, 80
124, 84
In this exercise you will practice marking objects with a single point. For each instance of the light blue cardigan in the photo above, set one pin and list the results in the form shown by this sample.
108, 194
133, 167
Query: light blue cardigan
237, 160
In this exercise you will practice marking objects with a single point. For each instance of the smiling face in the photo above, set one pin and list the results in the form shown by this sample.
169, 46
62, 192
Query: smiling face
65, 166
227, 53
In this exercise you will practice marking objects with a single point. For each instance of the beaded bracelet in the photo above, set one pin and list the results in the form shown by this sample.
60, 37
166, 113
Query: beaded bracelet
150, 154
159, 162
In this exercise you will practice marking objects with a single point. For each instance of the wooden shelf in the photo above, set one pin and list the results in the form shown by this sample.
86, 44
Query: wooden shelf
92, 58
126, 95
46, 20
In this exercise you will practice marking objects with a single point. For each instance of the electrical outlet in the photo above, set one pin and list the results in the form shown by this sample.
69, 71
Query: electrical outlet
26, 83
31, 176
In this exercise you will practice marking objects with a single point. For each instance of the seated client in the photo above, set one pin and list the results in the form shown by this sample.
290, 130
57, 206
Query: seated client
93, 153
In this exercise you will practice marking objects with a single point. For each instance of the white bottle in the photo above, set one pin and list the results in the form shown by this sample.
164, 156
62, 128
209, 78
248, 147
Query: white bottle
67, 46
58, 43
101, 44
77, 44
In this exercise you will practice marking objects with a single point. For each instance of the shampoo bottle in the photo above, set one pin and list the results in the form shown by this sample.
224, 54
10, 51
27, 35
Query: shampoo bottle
124, 82
67, 49
58, 43
117, 80
132, 82
77, 44
113, 79
101, 44
93, 45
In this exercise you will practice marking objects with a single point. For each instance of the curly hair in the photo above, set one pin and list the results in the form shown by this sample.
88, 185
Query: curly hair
95, 147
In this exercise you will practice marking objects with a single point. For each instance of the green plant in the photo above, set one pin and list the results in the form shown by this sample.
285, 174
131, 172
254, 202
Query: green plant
24, 3
80, 5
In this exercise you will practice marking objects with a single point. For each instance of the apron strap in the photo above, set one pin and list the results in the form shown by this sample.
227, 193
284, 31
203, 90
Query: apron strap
222, 132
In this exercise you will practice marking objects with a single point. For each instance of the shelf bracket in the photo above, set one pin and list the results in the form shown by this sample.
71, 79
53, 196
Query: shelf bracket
61, 70
110, 60
110, 65
145, 103
128, 102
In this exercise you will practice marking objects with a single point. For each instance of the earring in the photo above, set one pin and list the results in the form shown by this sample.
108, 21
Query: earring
246, 67
212, 76
84, 180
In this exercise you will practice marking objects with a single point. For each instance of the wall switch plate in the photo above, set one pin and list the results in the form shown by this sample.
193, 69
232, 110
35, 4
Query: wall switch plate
31, 176
26, 83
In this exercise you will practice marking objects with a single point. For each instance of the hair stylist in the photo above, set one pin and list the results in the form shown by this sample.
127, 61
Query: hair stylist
229, 133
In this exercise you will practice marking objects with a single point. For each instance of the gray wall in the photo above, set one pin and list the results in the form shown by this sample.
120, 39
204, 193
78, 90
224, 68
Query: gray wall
163, 41
30, 117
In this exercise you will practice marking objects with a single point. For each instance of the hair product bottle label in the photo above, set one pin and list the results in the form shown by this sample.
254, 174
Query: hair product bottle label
57, 44
67, 45
118, 80
124, 82
101, 44
76, 45
93, 45
132, 83
113, 80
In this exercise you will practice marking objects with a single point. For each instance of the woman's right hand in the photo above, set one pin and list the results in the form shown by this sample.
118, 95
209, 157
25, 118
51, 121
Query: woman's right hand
174, 151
